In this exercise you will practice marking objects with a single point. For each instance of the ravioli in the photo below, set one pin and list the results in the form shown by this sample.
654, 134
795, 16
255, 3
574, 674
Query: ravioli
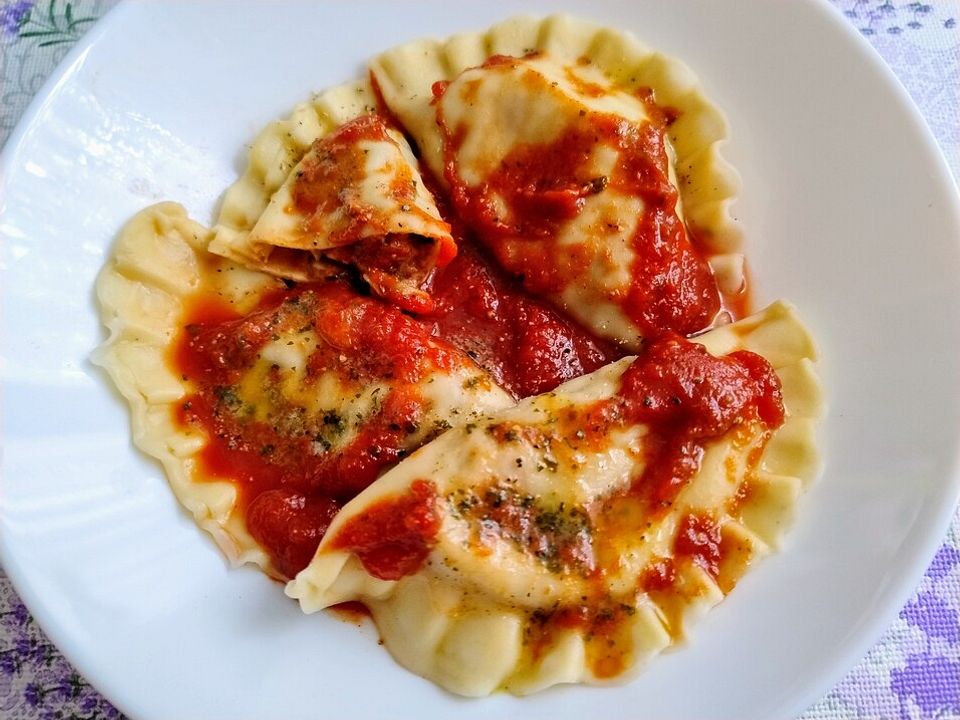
353, 379
569, 65
567, 180
404, 78
576, 535
269, 406
356, 197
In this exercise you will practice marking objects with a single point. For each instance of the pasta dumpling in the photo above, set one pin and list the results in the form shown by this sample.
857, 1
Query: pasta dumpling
575, 535
394, 371
356, 198
567, 180
269, 405
567, 66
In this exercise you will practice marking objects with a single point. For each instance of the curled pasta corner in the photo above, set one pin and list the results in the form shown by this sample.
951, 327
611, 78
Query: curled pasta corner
153, 267
708, 185
273, 154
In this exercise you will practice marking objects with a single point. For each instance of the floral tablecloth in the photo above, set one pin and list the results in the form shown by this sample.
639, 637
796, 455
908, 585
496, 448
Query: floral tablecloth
914, 670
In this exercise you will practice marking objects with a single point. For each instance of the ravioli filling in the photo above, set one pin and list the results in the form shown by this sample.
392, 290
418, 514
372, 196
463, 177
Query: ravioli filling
357, 198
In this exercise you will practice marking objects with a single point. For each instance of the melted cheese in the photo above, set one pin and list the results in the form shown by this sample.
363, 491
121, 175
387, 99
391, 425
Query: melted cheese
572, 228
472, 618
511, 102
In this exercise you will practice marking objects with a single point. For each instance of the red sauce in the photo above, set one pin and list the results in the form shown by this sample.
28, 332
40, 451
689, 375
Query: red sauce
699, 538
394, 266
526, 345
682, 393
290, 482
352, 611
658, 575
289, 525
289, 490
543, 186
608, 638
393, 538
686, 396
328, 182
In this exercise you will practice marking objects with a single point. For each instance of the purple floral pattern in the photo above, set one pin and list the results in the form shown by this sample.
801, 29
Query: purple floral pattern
13, 16
883, 16
913, 673
36, 682
52, 22
928, 682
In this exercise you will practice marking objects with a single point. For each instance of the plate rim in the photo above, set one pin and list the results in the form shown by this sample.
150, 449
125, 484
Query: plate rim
922, 547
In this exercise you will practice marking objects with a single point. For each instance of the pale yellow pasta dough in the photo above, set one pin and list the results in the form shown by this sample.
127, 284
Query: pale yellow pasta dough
474, 625
468, 620
159, 261
707, 184
356, 194
510, 105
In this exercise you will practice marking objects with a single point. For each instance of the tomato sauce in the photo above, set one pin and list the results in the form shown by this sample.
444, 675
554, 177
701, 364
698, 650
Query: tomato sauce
289, 525
526, 345
393, 537
699, 538
686, 396
607, 637
290, 482
520, 208
658, 575
291, 485
352, 611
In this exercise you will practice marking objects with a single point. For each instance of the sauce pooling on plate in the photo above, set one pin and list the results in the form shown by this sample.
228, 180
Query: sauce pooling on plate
294, 471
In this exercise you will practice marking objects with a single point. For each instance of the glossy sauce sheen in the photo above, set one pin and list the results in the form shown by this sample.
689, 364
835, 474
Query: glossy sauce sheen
289, 488
686, 398
289, 493
526, 345
393, 537
541, 187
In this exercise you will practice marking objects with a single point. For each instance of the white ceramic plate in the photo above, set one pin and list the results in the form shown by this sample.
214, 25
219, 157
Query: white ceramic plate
850, 213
